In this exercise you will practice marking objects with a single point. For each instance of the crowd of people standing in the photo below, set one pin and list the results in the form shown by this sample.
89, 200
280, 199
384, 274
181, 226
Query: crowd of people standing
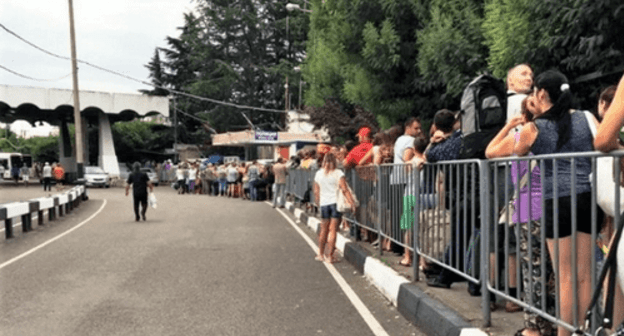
541, 120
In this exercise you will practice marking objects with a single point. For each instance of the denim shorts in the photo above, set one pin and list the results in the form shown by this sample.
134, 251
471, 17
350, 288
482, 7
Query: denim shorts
330, 211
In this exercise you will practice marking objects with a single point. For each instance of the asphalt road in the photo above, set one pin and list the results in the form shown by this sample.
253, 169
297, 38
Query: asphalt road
199, 265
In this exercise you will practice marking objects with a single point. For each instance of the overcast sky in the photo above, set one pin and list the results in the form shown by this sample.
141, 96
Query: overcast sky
120, 35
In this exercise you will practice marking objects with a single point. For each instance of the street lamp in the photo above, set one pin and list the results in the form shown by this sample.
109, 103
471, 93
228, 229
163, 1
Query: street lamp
298, 69
291, 7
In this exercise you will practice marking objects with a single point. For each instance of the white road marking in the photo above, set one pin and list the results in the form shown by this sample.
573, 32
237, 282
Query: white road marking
33, 250
368, 317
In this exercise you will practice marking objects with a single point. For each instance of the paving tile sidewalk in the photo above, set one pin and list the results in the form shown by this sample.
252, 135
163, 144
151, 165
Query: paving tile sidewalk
437, 312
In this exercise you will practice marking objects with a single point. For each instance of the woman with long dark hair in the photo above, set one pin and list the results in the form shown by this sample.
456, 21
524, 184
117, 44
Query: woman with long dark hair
559, 129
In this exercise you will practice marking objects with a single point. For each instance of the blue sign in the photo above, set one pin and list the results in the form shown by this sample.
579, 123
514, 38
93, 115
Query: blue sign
266, 136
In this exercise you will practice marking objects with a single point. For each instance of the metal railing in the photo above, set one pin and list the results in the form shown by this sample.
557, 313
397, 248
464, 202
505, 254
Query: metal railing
449, 213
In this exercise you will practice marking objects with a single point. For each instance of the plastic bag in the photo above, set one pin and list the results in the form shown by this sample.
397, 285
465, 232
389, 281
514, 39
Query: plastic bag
153, 202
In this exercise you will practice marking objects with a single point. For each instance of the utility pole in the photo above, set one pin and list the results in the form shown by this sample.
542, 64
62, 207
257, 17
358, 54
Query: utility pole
77, 118
175, 131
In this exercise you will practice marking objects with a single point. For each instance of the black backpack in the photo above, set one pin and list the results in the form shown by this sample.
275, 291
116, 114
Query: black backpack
484, 113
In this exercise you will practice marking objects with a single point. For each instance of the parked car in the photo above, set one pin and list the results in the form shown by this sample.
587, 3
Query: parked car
96, 177
153, 177
124, 172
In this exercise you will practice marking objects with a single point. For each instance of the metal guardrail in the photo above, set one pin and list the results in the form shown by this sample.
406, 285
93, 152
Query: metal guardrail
58, 204
454, 209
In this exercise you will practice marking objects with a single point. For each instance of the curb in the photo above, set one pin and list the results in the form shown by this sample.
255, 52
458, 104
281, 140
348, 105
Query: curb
429, 315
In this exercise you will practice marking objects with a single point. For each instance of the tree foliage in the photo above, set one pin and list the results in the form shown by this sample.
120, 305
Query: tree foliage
341, 124
507, 30
391, 58
361, 55
451, 46
139, 140
239, 52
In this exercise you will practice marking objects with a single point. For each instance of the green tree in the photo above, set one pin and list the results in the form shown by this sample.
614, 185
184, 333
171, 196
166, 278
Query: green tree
451, 46
507, 30
361, 55
139, 140
157, 75
239, 52
581, 39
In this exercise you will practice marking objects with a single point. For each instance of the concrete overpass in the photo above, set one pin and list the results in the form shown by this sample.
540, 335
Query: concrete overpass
55, 106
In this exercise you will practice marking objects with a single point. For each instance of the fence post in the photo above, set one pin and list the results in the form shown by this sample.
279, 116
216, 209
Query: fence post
416, 226
354, 226
8, 223
379, 203
484, 182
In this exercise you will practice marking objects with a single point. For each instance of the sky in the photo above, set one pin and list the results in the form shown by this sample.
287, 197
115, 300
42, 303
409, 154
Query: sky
120, 35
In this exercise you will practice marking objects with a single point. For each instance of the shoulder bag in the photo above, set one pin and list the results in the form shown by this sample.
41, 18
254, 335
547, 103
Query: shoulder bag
605, 178
342, 203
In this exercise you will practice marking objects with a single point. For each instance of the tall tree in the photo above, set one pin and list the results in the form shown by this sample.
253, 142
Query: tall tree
451, 46
507, 30
361, 53
157, 76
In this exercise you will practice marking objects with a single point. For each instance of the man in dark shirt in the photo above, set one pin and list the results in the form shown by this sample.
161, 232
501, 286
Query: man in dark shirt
445, 146
140, 182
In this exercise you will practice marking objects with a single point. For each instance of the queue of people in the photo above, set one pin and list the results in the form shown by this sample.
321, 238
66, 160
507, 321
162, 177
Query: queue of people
541, 120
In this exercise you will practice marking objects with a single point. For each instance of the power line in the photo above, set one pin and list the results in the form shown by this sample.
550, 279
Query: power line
246, 107
31, 78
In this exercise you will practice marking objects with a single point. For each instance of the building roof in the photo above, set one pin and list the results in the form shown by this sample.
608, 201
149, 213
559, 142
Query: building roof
249, 137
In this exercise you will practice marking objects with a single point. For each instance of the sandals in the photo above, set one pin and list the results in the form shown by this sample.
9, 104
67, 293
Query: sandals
332, 260
404, 264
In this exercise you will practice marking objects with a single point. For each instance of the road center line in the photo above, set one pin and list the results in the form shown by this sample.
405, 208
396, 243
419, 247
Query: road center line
9, 262
368, 317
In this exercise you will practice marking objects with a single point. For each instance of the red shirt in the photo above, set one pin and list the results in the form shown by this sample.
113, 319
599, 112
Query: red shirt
358, 152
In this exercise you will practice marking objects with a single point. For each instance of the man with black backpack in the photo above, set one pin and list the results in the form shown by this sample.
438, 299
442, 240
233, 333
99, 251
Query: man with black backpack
483, 114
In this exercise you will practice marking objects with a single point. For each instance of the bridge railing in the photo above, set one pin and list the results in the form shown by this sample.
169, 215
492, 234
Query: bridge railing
57, 205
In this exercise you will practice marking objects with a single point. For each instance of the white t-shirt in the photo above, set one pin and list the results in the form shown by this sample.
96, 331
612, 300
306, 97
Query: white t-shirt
329, 185
47, 171
192, 174
180, 174
402, 143
232, 174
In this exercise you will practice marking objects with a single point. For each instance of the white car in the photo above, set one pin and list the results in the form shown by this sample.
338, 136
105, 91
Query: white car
153, 177
96, 177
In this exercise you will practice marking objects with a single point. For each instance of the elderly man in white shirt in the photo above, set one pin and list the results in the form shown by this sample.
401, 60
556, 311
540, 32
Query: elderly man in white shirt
519, 84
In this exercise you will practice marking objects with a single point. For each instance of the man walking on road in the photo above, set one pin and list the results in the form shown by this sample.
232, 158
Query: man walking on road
47, 177
140, 182
280, 170
25, 172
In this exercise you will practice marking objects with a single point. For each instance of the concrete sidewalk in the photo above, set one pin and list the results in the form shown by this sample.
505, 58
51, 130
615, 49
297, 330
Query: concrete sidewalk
437, 312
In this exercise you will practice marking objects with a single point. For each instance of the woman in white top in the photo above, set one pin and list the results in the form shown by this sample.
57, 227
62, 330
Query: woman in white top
326, 184
608, 139
232, 175
192, 176
180, 177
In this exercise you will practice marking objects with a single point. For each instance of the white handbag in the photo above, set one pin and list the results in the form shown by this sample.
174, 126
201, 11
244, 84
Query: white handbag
153, 202
605, 178
342, 205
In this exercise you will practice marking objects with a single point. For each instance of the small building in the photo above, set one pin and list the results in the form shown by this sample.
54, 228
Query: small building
271, 145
